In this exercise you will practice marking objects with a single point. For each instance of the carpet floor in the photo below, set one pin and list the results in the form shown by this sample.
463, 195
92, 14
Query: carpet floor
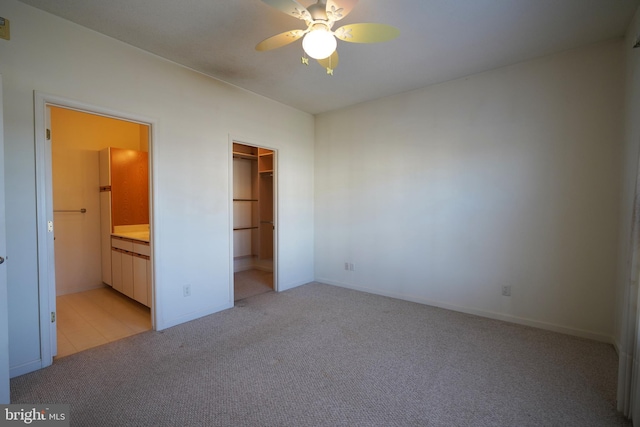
320, 355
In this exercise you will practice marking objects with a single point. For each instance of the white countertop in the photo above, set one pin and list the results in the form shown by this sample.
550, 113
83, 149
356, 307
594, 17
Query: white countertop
142, 236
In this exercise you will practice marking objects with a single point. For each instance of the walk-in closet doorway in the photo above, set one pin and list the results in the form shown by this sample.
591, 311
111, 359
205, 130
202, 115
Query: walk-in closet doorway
254, 206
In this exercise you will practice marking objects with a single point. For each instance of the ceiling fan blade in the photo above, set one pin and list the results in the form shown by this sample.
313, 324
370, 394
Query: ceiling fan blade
330, 63
340, 9
367, 33
290, 7
279, 40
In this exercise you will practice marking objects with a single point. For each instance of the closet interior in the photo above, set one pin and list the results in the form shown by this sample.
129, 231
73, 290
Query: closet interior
253, 220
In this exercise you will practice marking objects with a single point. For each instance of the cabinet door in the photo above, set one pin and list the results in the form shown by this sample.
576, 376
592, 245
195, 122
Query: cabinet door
105, 167
149, 290
127, 274
105, 236
140, 280
116, 270
129, 187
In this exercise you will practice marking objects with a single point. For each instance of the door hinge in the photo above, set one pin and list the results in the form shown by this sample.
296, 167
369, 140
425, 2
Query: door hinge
50, 226
48, 134
53, 317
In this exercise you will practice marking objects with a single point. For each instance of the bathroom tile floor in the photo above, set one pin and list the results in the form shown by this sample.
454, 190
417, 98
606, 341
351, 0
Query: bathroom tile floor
252, 282
92, 318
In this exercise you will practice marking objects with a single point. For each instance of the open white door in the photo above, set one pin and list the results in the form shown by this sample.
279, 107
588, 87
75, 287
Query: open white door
44, 205
4, 319
51, 319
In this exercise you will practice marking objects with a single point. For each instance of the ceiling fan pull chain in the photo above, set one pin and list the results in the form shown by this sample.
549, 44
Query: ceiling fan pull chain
330, 67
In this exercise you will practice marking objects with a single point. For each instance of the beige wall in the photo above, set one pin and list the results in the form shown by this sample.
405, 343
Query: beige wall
193, 117
76, 139
511, 177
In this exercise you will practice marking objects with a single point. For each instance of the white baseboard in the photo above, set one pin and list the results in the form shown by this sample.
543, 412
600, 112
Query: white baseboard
83, 289
286, 286
25, 368
191, 316
616, 345
482, 313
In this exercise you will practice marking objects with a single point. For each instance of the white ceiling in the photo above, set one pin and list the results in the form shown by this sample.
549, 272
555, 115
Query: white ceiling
439, 40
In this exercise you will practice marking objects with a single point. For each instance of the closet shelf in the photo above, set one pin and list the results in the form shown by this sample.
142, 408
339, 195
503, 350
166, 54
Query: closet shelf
253, 201
239, 155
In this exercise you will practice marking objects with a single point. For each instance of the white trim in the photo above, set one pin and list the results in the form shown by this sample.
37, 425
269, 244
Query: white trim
625, 373
44, 213
276, 204
5, 373
230, 227
195, 315
25, 368
482, 313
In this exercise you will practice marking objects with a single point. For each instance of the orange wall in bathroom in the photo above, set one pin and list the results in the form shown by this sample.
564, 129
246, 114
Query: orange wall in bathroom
75, 129
76, 139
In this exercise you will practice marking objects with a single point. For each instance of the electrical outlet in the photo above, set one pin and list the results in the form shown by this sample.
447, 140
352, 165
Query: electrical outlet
346, 266
351, 267
186, 290
506, 291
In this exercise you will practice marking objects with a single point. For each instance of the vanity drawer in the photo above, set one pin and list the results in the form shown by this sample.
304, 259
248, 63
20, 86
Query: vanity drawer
142, 249
123, 244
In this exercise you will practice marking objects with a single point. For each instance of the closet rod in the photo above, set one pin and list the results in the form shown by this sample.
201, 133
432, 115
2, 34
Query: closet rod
83, 210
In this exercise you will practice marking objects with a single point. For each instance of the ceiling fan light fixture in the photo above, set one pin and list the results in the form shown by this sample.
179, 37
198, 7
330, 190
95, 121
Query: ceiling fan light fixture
319, 43
318, 40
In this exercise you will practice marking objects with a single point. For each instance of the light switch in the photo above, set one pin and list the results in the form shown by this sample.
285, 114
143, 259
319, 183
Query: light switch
4, 29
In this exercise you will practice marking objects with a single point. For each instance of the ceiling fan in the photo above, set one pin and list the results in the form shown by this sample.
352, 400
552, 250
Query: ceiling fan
319, 40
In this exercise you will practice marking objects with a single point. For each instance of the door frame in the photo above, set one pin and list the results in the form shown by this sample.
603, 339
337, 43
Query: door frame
44, 211
276, 204
5, 394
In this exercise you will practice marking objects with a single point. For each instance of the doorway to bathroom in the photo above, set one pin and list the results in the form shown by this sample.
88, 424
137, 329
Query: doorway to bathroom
100, 188
78, 208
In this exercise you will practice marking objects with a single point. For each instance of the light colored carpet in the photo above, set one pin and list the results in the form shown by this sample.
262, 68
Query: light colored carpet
319, 355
